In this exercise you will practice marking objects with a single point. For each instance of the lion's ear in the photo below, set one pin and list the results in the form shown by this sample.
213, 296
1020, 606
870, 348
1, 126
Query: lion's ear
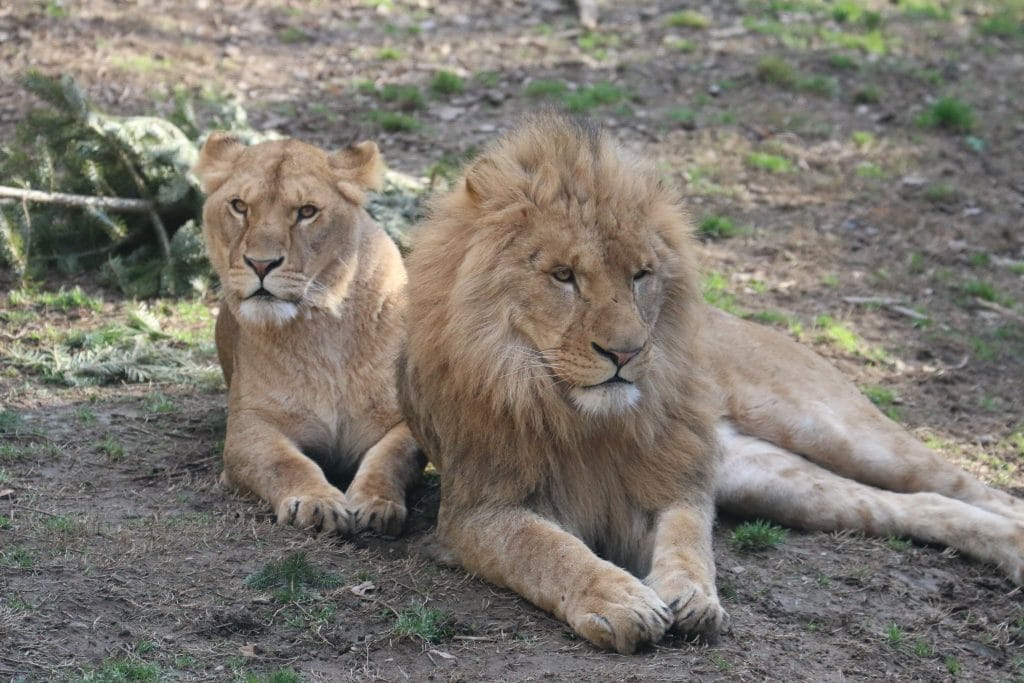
217, 160
476, 177
360, 165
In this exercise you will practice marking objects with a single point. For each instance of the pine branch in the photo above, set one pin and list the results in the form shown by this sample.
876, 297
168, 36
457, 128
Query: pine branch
79, 200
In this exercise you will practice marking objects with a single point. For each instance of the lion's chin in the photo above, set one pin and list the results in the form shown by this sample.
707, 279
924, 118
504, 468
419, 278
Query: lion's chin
267, 311
605, 399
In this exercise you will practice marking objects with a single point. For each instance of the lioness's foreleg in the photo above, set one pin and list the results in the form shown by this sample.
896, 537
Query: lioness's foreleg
376, 496
683, 568
278, 472
556, 571
759, 479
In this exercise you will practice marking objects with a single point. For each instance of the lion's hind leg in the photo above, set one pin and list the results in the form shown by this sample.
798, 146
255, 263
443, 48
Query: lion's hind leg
759, 479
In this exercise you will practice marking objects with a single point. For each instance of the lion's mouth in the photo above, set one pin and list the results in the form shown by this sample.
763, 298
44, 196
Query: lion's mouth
260, 293
614, 379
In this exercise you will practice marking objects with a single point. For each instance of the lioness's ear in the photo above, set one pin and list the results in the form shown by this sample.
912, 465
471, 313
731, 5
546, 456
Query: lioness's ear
217, 159
476, 177
360, 165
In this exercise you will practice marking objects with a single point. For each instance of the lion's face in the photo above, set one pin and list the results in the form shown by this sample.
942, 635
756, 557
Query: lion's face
568, 257
280, 220
586, 298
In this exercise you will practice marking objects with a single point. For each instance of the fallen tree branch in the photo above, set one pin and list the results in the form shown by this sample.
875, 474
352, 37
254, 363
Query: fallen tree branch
79, 200
894, 305
1001, 310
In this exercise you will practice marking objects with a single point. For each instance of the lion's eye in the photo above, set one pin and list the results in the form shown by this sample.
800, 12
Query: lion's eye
238, 206
307, 211
563, 274
641, 274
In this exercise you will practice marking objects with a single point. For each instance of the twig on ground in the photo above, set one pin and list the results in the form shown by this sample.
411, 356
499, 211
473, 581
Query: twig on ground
79, 200
894, 305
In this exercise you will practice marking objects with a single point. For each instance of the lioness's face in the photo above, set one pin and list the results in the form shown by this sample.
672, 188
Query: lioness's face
279, 223
587, 291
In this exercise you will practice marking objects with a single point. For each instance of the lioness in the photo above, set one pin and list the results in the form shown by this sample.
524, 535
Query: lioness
308, 332
586, 409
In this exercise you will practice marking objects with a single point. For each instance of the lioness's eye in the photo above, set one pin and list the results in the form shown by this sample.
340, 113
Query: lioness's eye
239, 206
563, 274
307, 211
641, 274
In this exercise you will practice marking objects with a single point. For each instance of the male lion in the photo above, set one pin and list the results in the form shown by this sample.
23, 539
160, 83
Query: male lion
586, 409
308, 332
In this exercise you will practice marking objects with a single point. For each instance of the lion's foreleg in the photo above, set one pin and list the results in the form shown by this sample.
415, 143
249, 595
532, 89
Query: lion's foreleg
376, 496
760, 479
683, 568
557, 572
260, 459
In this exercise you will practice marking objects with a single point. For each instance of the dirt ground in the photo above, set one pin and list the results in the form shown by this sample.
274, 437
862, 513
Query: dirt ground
893, 247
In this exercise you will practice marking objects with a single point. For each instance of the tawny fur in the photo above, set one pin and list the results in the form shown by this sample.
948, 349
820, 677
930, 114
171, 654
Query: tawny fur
554, 256
310, 359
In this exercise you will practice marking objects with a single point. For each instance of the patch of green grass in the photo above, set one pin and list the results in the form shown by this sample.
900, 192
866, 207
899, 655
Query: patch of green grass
447, 83
158, 402
597, 95
868, 94
85, 415
488, 79
843, 62
717, 226
772, 163
406, 97
953, 665
6, 522
289, 35
9, 421
544, 88
687, 19
111, 447
684, 116
62, 300
862, 138
949, 114
1002, 24
681, 44
924, 10
715, 290
5, 476
291, 578
17, 556
758, 535
429, 625
122, 670
143, 64
278, 676
61, 524
389, 54
894, 635
897, 543
830, 280
882, 397
941, 193
393, 121
10, 452
872, 42
981, 289
923, 649
596, 44
867, 169
837, 334
776, 71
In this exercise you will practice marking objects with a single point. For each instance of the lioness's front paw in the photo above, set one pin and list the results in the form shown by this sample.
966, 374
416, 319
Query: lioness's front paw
377, 514
695, 609
620, 614
320, 512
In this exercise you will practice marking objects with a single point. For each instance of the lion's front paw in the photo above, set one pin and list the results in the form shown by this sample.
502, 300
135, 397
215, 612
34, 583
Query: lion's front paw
621, 614
695, 609
323, 511
374, 513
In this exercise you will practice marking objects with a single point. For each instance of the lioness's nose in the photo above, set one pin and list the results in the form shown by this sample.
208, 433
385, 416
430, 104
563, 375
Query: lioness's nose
263, 266
620, 358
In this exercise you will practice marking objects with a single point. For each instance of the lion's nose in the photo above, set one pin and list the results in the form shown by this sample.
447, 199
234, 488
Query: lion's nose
263, 266
620, 358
